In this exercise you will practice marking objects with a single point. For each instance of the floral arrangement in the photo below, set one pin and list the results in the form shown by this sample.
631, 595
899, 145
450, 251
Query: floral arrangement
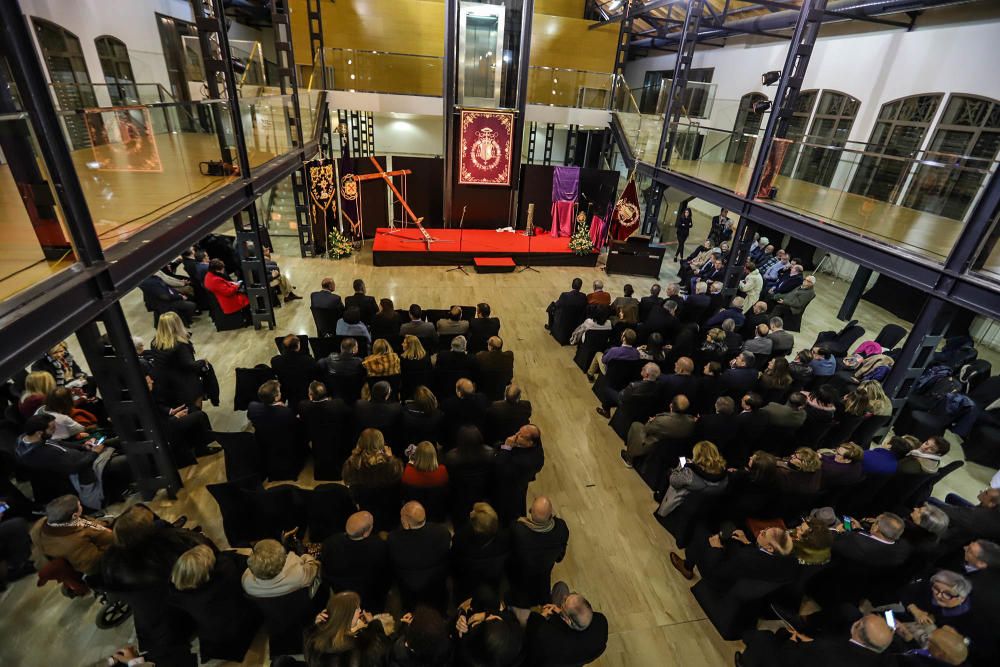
580, 242
338, 245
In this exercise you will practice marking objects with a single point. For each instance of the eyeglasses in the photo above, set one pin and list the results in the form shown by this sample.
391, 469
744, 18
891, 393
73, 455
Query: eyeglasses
944, 593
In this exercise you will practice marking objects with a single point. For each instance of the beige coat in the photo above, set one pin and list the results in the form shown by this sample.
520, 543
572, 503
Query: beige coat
82, 547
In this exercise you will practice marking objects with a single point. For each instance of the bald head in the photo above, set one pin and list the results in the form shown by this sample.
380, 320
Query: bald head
412, 516
359, 525
541, 510
465, 387
948, 646
577, 612
872, 632
684, 366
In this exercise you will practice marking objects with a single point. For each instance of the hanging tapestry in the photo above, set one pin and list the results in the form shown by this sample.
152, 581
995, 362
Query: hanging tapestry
484, 147
625, 214
565, 189
322, 183
349, 192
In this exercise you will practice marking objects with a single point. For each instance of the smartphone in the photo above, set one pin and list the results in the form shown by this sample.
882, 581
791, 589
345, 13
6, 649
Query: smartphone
890, 619
100, 441
683, 461
4, 506
847, 524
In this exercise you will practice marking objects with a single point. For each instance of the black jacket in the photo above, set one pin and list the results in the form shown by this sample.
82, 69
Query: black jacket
456, 364
177, 374
551, 642
533, 555
503, 419
480, 330
467, 411
419, 560
295, 370
478, 560
470, 477
385, 416
515, 470
417, 426
364, 303
648, 303
326, 300
385, 325
361, 566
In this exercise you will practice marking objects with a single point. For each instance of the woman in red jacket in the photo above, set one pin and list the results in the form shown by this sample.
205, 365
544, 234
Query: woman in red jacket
423, 469
226, 292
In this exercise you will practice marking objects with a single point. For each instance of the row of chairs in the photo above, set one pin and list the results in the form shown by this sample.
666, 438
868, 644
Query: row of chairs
326, 328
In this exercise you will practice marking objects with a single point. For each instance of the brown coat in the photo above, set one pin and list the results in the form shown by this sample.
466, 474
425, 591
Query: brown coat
81, 547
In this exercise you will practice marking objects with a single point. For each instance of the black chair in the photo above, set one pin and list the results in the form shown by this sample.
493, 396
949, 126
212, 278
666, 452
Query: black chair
842, 431
381, 501
347, 387
329, 506
734, 610
812, 432
681, 522
248, 381
635, 409
45, 485
838, 342
277, 509
323, 347
414, 377
620, 373
396, 340
594, 342
655, 467
326, 320
286, 617
921, 492
565, 320
242, 455
223, 322
239, 527
434, 499
444, 341
780, 440
890, 336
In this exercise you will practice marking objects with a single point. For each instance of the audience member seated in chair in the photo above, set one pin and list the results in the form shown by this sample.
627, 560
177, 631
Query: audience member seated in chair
414, 366
358, 560
345, 371
704, 475
383, 362
327, 424
366, 305
386, 322
926, 458
625, 351
373, 475
419, 327
471, 468
208, 589
639, 391
479, 551
567, 630
346, 634
277, 431
381, 413
495, 368
675, 425
452, 364
482, 327
231, 297
160, 298
423, 471
503, 418
64, 533
295, 369
272, 571
519, 459
465, 407
350, 325
567, 312
863, 646
418, 554
843, 467
422, 419
326, 298
538, 542
453, 324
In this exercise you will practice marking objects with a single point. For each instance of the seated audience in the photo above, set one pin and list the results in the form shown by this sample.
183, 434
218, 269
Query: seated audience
800, 473
59, 405
495, 368
598, 297
372, 463
740, 377
471, 467
863, 646
466, 407
64, 533
653, 349
383, 361
414, 365
843, 467
272, 571
760, 345
598, 320
326, 298
538, 542
519, 459
423, 469
884, 459
423, 640
822, 364
344, 363
653, 300
295, 369
567, 631
717, 427
37, 386
276, 427
381, 413
705, 473
357, 560
725, 560
162, 298
675, 424
350, 324
982, 520
479, 551
365, 304
626, 299
453, 324
418, 326
482, 327
386, 322
925, 459
504, 417
784, 342
326, 422
624, 352
421, 420
345, 634
794, 301
636, 392
418, 555
455, 363
734, 312
231, 296
573, 300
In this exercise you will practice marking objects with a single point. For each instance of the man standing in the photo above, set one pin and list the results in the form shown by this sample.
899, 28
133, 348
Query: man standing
519, 459
538, 542
418, 553
719, 225
567, 631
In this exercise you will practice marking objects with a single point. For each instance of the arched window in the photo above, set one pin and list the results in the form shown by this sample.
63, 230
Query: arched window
895, 139
831, 126
804, 104
745, 128
966, 141
117, 70
68, 72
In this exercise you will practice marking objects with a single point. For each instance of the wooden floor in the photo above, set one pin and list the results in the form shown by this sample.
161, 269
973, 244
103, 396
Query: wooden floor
617, 553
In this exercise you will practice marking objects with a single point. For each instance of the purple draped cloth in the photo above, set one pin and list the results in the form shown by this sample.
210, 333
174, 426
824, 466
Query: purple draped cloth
598, 231
565, 189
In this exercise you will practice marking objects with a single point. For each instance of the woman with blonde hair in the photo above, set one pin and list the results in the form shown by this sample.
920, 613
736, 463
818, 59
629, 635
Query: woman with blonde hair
800, 473
176, 370
206, 586
37, 386
345, 635
59, 363
372, 463
415, 366
382, 361
703, 475
423, 470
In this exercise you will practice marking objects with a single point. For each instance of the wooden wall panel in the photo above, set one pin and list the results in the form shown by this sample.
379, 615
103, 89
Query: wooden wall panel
558, 41
570, 8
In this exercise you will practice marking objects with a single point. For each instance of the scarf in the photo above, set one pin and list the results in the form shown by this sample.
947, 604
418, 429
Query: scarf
538, 527
78, 522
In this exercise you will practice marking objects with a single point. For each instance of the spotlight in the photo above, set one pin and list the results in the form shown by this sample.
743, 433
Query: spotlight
239, 67
769, 78
761, 106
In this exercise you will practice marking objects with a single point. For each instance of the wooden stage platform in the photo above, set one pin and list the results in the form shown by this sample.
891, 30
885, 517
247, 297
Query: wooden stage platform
406, 247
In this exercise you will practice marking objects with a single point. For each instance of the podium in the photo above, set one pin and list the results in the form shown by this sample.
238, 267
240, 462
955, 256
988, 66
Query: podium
635, 257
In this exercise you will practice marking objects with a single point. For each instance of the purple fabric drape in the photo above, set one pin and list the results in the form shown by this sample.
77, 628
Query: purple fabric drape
565, 183
562, 218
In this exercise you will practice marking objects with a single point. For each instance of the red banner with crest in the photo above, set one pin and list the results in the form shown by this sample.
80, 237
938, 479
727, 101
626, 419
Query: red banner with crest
485, 147
625, 215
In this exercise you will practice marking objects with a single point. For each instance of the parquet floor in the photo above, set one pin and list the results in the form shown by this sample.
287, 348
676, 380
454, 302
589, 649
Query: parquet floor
617, 553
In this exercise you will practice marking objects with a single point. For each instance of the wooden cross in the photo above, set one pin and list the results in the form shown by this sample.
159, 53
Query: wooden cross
387, 177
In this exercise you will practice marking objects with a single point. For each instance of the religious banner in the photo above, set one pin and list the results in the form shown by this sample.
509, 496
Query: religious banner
348, 192
485, 147
625, 214
322, 184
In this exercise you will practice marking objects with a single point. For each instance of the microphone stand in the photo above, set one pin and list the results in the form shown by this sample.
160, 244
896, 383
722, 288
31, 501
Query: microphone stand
461, 221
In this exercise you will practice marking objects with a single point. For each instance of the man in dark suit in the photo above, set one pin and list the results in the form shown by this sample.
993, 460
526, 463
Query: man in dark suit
358, 560
716, 233
537, 544
495, 368
980, 521
453, 364
504, 418
566, 632
864, 647
717, 427
651, 302
568, 311
345, 362
876, 551
681, 381
784, 342
277, 431
295, 369
675, 424
724, 561
326, 298
418, 553
164, 298
365, 304
788, 282
381, 413
697, 304
639, 391
756, 316
741, 375
734, 312
465, 407
787, 415
662, 319
482, 327
328, 428
519, 458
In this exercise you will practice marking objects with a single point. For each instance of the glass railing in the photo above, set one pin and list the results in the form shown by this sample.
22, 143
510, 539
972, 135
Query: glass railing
987, 264
36, 244
561, 87
697, 101
266, 128
73, 96
635, 126
362, 71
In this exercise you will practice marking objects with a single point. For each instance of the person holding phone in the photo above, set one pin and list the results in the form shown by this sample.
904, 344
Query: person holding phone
230, 295
704, 474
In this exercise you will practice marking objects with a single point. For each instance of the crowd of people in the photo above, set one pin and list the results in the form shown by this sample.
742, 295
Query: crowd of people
768, 473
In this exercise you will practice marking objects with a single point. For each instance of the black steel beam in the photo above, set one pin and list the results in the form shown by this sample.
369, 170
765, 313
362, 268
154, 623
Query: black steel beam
448, 90
520, 122
637, 12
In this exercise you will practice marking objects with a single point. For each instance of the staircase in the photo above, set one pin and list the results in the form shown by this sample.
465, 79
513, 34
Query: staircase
280, 214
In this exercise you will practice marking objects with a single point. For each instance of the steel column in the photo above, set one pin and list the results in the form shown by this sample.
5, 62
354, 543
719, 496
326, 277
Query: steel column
807, 27
448, 102
854, 292
523, 60
572, 138
678, 84
532, 128
122, 381
928, 330
621, 51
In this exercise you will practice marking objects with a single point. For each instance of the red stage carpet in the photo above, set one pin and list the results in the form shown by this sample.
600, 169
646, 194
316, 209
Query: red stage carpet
459, 246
